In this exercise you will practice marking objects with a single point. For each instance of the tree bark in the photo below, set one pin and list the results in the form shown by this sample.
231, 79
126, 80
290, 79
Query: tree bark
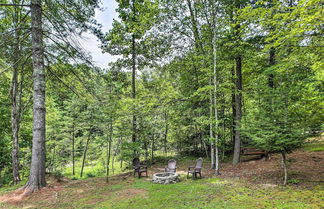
166, 132
212, 145
152, 149
37, 170
238, 110
134, 85
284, 166
109, 151
15, 120
16, 101
233, 108
215, 103
85, 153
272, 61
73, 141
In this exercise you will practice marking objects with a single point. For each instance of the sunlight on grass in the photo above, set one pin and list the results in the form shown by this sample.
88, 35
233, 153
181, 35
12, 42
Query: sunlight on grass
314, 147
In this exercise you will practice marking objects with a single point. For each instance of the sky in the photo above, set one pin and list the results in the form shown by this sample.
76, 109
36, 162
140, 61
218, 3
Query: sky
90, 43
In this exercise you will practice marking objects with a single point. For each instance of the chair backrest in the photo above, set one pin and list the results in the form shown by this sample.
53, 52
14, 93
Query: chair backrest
199, 163
172, 164
136, 161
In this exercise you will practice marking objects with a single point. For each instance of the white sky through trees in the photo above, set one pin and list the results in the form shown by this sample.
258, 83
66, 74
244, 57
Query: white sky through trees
90, 43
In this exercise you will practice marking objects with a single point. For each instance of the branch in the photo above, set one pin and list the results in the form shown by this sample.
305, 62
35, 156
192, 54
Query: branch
15, 5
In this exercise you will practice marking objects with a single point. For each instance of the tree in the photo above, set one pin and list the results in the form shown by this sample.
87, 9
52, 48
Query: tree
37, 170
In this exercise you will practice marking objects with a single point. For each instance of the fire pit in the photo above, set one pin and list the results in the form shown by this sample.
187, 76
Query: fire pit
165, 178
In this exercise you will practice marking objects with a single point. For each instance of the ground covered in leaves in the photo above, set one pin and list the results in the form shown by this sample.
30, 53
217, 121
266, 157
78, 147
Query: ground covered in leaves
252, 184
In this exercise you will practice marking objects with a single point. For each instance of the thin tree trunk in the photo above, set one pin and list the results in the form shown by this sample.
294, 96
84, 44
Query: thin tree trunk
15, 122
233, 108
166, 132
215, 103
212, 148
85, 153
113, 164
146, 150
16, 102
238, 109
37, 170
109, 150
53, 157
73, 142
134, 85
152, 150
205, 145
284, 165
272, 61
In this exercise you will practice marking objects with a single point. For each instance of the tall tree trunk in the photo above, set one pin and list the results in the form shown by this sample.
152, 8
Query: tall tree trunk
133, 85
211, 136
215, 103
109, 150
16, 101
15, 121
238, 110
73, 142
37, 170
233, 107
85, 153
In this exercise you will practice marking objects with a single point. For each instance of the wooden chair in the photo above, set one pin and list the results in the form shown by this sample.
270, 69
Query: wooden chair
139, 168
194, 170
171, 167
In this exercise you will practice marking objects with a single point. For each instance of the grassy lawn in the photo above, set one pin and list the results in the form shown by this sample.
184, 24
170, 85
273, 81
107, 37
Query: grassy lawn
204, 193
253, 184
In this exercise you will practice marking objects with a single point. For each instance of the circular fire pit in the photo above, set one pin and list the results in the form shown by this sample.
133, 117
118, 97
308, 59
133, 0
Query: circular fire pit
165, 178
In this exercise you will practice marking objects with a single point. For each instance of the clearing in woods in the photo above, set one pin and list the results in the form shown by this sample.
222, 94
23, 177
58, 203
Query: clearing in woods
252, 184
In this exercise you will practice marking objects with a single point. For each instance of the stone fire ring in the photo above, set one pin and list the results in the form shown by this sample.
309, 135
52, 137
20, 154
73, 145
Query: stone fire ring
165, 178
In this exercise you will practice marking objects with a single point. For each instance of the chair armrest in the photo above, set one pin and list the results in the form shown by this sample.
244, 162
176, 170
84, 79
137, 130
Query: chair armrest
190, 167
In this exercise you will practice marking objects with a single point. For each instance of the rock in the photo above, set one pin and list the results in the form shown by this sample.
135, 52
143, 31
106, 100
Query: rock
165, 178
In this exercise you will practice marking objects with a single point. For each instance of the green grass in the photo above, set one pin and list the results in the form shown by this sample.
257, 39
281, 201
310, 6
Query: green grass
202, 193
314, 147
93, 169
216, 193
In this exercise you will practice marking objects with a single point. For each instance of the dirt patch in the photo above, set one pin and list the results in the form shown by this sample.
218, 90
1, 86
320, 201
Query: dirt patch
48, 194
13, 197
304, 168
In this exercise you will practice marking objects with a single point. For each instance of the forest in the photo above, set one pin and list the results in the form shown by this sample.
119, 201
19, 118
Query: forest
236, 84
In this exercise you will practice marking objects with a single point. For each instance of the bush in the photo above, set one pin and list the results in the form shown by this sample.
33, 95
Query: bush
90, 175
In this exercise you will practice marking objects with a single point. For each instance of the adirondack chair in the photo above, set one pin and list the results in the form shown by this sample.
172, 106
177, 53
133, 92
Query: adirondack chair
194, 170
139, 168
171, 167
